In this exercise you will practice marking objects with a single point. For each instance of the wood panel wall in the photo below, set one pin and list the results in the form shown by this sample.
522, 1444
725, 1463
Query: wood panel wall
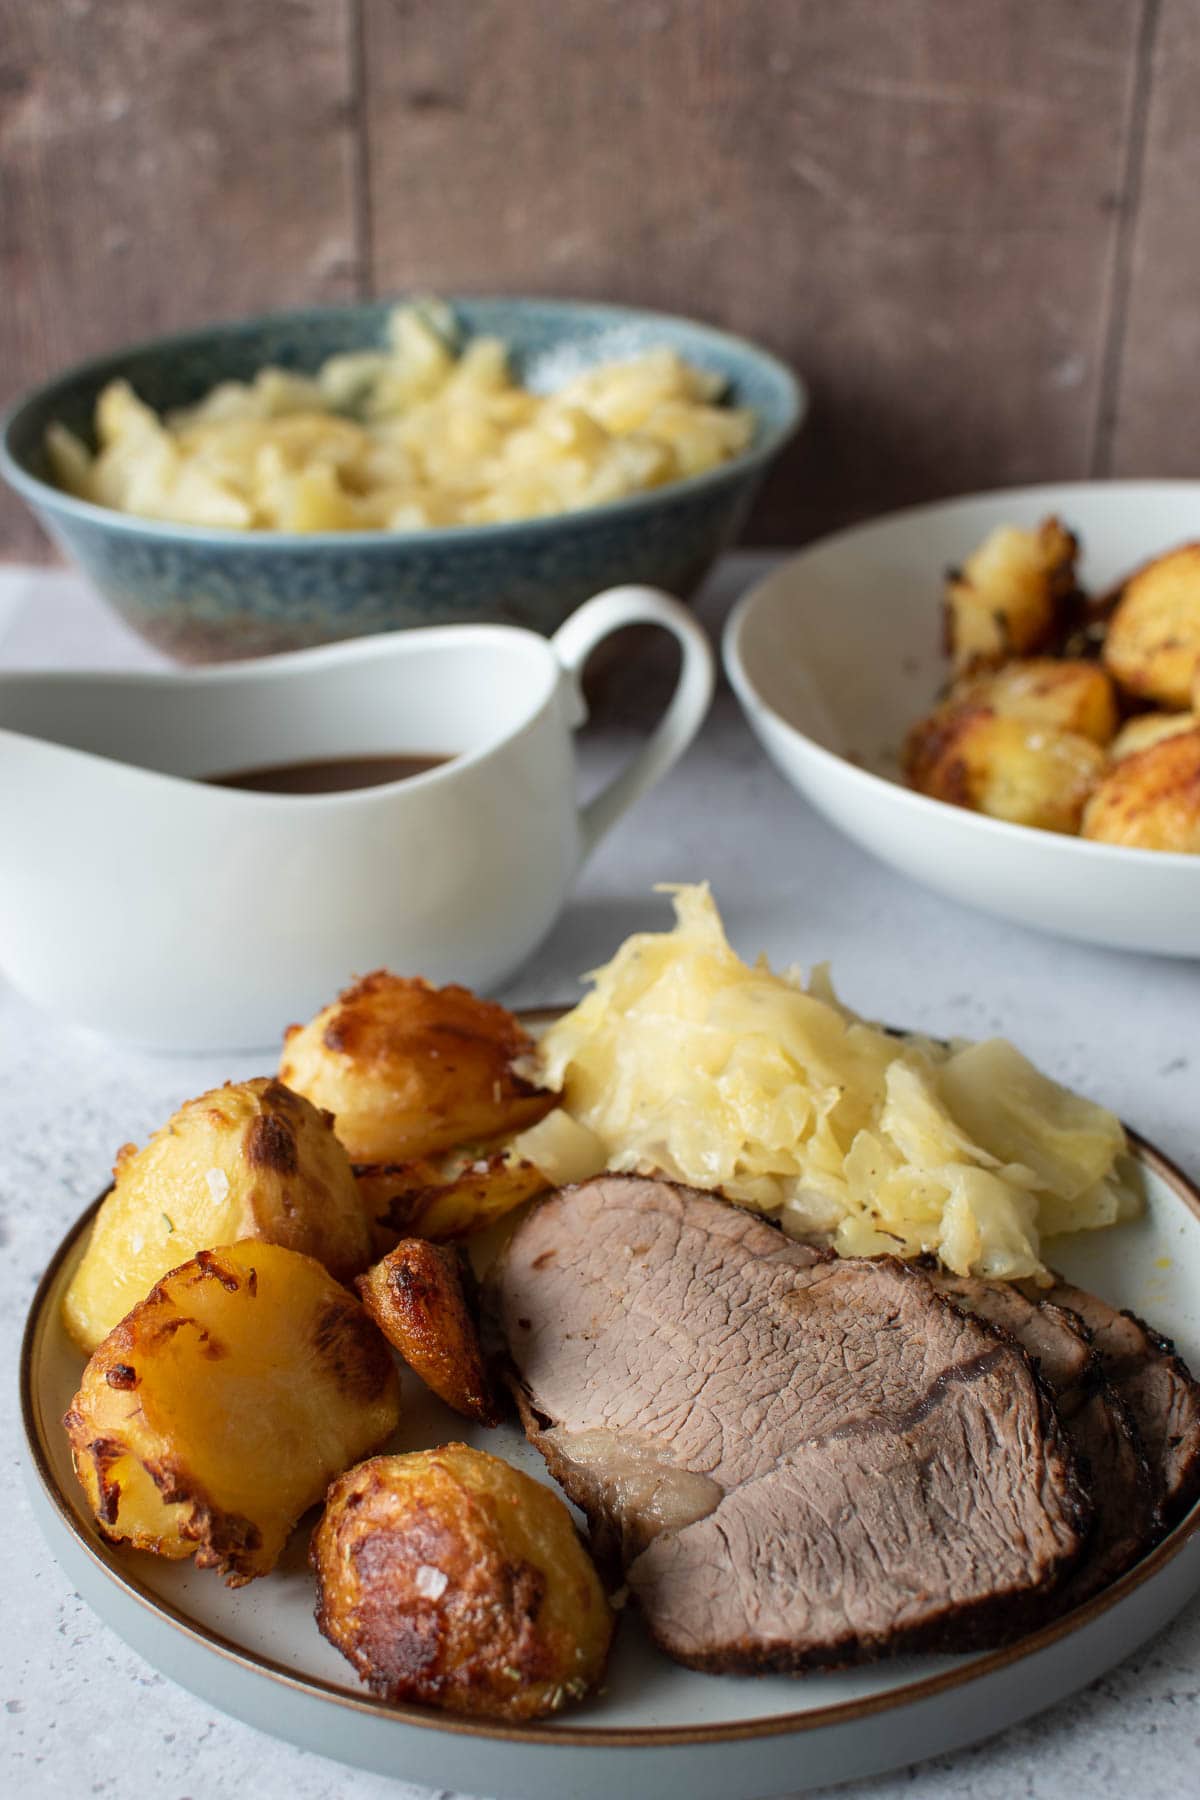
970, 223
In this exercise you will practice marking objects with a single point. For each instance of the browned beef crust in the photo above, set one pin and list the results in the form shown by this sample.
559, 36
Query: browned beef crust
1112, 1463
1159, 1390
802, 1461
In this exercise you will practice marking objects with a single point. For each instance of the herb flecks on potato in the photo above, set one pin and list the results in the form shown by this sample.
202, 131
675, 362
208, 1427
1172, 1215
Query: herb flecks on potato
410, 1070
1012, 595
248, 1160
219, 1410
449, 1578
417, 1297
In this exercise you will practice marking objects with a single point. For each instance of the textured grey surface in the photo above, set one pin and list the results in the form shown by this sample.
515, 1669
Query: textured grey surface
83, 1714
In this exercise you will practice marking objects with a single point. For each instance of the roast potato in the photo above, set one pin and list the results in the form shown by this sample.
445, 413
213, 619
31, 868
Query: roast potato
1011, 596
449, 1578
1152, 647
1062, 693
416, 1295
248, 1160
218, 1412
445, 1197
466, 1191
1150, 800
1005, 767
409, 1070
1150, 728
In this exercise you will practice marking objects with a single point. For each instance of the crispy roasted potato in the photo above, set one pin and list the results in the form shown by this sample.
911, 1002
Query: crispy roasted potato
409, 1070
1152, 648
221, 1408
248, 1160
417, 1297
1150, 728
446, 1197
1150, 800
1011, 596
468, 1190
1059, 692
1028, 774
450, 1578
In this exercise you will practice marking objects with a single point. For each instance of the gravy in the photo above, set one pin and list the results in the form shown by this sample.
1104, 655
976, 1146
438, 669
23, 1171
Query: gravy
328, 775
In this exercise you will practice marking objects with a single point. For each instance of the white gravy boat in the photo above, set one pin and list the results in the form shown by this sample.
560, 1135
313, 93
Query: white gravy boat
140, 901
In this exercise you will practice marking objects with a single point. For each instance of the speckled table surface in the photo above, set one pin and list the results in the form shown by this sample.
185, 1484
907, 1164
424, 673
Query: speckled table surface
81, 1713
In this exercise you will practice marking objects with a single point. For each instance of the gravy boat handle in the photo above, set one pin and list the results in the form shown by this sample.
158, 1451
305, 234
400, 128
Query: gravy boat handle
574, 642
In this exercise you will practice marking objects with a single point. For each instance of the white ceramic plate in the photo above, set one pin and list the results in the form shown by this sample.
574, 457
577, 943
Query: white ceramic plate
838, 652
657, 1728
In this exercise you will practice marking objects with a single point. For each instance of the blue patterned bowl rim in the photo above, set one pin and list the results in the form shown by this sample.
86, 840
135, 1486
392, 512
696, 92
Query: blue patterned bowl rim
768, 440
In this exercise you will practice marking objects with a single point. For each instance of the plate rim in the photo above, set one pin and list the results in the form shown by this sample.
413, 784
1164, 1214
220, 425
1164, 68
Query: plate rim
751, 698
324, 1692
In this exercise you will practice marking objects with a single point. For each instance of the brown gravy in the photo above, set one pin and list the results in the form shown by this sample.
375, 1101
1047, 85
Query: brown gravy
329, 775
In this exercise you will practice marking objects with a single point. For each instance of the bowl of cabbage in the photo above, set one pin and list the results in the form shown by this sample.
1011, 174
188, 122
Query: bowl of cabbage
271, 483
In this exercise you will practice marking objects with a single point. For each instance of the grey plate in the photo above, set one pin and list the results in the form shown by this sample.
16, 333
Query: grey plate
256, 1653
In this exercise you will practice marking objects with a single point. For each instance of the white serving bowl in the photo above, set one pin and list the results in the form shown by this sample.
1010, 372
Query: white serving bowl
837, 652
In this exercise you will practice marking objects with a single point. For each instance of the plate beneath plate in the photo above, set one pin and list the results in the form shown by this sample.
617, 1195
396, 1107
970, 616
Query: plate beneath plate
255, 1652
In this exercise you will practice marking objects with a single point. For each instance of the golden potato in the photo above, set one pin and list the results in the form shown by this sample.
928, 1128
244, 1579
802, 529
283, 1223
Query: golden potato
450, 1578
1062, 693
1009, 769
1151, 799
416, 1295
1150, 728
409, 1070
218, 1412
248, 1160
1152, 648
446, 1197
1011, 596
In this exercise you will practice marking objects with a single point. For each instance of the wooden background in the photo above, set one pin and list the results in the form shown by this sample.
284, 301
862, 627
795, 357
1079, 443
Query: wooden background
971, 224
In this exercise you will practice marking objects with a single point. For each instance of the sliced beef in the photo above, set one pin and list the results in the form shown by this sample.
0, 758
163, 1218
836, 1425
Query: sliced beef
1112, 1463
1156, 1386
1049, 1335
801, 1460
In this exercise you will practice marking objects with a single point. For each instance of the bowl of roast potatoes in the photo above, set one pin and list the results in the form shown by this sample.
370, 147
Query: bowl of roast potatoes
1000, 696
255, 1279
1068, 711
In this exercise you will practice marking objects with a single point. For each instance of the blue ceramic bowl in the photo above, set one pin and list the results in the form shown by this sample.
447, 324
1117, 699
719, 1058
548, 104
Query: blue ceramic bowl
203, 594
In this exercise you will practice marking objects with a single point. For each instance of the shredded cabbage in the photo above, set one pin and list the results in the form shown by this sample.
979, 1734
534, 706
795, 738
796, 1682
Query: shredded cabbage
685, 1061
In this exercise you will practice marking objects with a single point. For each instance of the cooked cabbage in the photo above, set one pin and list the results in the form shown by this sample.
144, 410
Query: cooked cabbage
683, 1060
413, 436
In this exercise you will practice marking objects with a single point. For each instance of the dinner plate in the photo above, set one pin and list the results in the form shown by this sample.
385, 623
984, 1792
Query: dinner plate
255, 1652
839, 651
